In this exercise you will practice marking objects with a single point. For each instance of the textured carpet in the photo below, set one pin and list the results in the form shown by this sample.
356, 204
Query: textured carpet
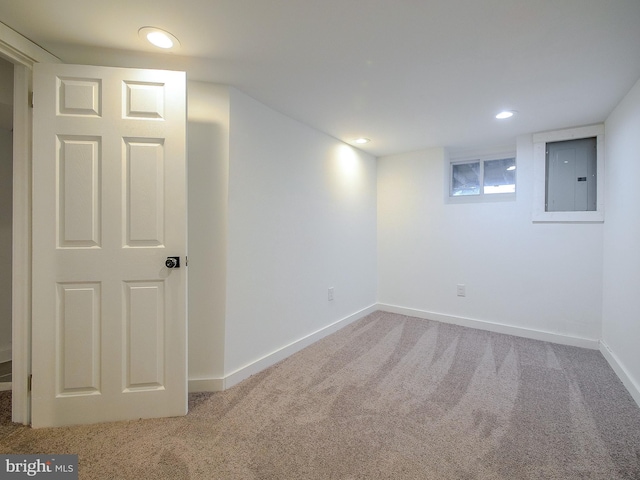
388, 397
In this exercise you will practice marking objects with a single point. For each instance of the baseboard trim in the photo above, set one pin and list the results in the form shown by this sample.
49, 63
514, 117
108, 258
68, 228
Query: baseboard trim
592, 344
206, 385
621, 372
220, 384
5, 355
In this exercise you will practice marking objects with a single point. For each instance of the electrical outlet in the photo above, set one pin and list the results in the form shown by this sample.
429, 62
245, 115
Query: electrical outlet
330, 295
461, 290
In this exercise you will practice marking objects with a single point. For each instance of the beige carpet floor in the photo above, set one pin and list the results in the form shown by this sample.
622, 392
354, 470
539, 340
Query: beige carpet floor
388, 397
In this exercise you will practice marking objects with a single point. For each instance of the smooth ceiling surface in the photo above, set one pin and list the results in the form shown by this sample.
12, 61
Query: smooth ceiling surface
409, 74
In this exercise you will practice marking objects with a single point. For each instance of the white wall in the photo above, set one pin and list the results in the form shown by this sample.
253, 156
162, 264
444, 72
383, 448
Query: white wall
6, 205
302, 218
279, 212
621, 324
207, 176
529, 277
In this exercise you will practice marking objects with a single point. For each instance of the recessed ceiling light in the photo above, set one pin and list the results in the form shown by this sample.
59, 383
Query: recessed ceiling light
511, 168
158, 37
505, 114
361, 140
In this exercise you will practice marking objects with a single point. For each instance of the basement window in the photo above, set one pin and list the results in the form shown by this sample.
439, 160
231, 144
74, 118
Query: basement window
483, 178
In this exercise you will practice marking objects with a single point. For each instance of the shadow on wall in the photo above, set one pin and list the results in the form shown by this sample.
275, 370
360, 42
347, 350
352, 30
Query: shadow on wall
208, 180
6, 229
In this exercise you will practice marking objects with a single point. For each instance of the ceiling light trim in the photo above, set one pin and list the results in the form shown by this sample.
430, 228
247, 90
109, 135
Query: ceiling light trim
159, 38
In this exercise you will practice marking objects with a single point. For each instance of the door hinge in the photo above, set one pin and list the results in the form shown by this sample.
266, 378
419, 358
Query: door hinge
29, 382
30, 99
186, 261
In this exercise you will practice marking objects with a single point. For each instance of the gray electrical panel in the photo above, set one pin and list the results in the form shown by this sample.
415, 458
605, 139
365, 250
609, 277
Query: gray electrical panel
571, 176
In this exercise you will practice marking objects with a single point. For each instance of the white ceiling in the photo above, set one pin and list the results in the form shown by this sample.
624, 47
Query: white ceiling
409, 74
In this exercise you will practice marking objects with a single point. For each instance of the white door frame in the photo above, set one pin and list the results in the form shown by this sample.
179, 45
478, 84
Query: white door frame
23, 54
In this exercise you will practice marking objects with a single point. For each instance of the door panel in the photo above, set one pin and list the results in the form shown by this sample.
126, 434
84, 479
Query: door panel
144, 324
109, 319
79, 198
78, 334
144, 192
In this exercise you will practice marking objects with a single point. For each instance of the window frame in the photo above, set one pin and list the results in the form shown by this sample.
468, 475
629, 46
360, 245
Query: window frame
540, 140
471, 156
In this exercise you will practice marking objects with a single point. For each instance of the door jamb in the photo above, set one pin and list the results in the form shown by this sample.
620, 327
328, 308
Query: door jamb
23, 53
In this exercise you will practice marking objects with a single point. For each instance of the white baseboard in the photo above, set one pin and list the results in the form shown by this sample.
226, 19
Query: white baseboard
219, 384
206, 385
623, 375
592, 344
5, 355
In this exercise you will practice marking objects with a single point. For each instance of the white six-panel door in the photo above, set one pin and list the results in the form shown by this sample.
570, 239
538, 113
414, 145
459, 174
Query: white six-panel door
109, 207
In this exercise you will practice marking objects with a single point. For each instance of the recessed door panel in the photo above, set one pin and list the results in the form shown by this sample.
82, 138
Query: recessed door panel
78, 197
79, 96
144, 100
144, 192
78, 339
145, 327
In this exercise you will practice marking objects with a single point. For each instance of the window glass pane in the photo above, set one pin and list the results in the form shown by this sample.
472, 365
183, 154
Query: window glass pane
500, 176
465, 179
